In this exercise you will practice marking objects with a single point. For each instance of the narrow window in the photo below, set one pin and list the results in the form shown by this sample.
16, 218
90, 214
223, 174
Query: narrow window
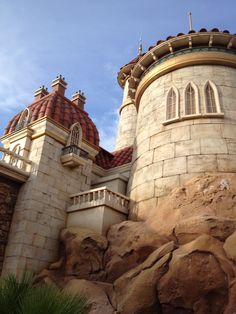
212, 104
75, 135
172, 106
24, 119
191, 100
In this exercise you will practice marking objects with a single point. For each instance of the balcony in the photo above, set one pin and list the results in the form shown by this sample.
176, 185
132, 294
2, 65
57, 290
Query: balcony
97, 209
73, 156
14, 166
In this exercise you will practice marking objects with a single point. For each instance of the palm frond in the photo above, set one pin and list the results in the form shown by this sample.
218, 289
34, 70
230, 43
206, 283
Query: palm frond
23, 297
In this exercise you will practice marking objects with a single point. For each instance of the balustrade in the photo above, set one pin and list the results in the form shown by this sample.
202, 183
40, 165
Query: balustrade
14, 159
100, 196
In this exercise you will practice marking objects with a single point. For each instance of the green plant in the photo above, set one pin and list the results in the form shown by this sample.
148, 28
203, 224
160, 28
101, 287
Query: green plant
23, 297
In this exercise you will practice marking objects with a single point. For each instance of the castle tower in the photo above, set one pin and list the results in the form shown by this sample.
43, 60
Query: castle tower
184, 89
128, 118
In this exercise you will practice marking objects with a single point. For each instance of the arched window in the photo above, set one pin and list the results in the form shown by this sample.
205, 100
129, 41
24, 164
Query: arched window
191, 99
75, 137
172, 104
24, 119
212, 104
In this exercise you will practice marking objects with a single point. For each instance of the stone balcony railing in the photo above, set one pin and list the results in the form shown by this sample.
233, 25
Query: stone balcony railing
73, 156
100, 197
13, 165
97, 209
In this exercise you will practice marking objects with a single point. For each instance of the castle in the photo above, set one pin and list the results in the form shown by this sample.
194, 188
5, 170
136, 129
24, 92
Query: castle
177, 121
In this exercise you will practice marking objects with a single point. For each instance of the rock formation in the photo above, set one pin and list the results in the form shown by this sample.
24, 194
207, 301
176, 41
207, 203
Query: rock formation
181, 260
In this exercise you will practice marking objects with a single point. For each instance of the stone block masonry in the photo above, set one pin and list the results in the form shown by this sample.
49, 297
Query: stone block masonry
180, 150
40, 211
8, 196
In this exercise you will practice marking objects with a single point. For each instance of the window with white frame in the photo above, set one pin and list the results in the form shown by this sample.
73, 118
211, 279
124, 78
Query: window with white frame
191, 103
191, 99
211, 97
172, 104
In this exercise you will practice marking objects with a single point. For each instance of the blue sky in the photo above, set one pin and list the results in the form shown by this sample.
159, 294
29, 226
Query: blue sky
87, 41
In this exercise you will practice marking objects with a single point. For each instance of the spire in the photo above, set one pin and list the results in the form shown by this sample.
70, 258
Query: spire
190, 21
140, 48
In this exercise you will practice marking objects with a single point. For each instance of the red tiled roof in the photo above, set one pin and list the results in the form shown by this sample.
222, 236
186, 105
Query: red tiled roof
62, 111
120, 157
202, 30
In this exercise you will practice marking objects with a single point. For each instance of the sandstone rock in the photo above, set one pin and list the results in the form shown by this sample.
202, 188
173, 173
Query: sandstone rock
130, 243
230, 246
231, 306
198, 279
181, 260
84, 251
81, 256
98, 299
203, 205
135, 291
194, 278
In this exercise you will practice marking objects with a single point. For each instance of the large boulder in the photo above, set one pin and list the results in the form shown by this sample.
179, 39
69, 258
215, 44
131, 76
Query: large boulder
130, 243
230, 246
198, 279
81, 256
135, 291
194, 278
98, 299
182, 259
203, 205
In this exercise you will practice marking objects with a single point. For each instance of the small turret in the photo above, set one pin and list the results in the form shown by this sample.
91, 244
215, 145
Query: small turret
127, 121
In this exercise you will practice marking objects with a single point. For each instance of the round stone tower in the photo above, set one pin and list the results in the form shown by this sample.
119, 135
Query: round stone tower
128, 113
184, 90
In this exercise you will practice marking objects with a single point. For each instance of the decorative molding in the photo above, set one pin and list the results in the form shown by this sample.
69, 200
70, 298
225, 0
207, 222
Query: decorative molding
185, 60
18, 135
13, 173
127, 102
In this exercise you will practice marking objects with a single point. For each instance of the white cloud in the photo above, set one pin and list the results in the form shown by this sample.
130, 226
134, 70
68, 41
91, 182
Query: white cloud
107, 127
17, 79
111, 69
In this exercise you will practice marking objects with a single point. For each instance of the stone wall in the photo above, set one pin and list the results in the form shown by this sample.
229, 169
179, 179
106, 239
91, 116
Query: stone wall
8, 196
127, 126
165, 156
40, 210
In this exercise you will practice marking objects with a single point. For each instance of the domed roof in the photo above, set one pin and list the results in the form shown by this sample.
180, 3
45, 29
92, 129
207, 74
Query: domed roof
61, 110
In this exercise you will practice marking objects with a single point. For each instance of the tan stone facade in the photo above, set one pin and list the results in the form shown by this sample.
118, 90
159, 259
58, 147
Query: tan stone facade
167, 155
127, 121
127, 125
40, 211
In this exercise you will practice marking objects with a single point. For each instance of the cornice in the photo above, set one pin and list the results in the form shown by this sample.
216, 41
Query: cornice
181, 61
126, 103
163, 50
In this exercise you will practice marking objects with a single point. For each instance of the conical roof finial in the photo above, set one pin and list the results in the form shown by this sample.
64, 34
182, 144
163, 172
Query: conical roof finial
140, 48
190, 21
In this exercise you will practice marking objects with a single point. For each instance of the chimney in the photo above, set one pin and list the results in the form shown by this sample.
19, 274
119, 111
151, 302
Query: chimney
59, 84
79, 99
40, 92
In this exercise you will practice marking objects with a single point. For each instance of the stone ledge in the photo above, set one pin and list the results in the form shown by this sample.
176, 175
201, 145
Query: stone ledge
13, 173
